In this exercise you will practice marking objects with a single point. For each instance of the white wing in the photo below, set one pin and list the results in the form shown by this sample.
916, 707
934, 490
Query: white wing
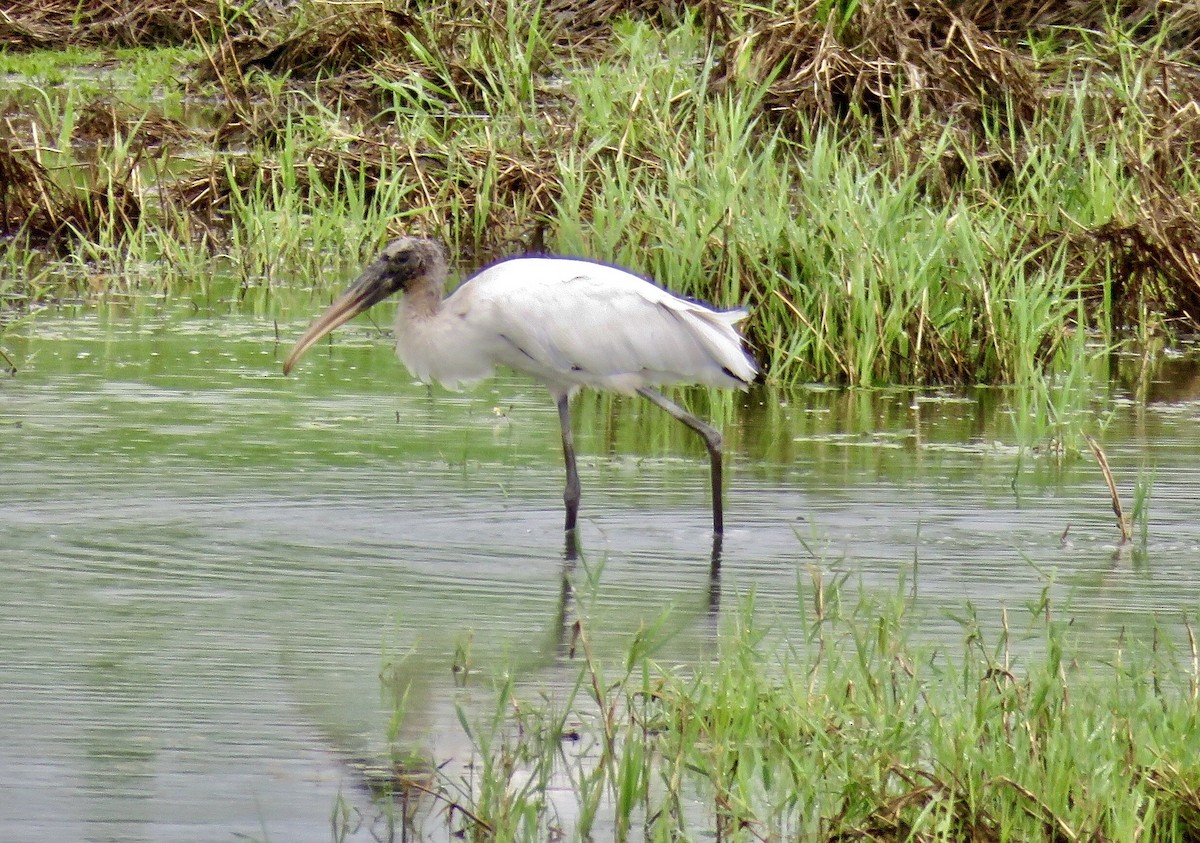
576, 323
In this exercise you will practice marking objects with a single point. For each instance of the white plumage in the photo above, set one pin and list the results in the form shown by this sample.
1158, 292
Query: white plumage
568, 323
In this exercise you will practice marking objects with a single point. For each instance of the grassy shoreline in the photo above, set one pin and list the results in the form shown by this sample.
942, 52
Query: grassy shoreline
884, 224
839, 724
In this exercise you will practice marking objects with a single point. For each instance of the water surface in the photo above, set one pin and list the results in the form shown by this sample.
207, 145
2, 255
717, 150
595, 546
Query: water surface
214, 579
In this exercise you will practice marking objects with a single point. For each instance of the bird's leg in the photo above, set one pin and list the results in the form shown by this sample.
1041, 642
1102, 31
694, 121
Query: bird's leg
712, 439
714, 576
571, 493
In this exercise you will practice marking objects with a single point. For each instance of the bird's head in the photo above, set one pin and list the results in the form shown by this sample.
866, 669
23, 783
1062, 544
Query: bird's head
401, 263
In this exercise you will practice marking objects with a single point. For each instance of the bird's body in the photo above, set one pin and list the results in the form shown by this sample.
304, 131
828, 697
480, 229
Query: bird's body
566, 322
569, 324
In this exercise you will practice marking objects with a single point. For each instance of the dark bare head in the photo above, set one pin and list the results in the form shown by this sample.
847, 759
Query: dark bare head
402, 265
406, 260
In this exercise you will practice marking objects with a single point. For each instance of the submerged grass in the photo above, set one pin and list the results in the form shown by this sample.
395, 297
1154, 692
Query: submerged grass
837, 724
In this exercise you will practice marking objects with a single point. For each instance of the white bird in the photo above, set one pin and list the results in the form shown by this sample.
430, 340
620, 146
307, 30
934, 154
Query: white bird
569, 323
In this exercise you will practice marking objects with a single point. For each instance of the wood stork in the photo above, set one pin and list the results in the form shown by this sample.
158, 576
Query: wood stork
567, 322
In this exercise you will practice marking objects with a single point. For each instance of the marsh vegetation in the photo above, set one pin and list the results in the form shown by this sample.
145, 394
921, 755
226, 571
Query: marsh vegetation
902, 193
834, 724
914, 193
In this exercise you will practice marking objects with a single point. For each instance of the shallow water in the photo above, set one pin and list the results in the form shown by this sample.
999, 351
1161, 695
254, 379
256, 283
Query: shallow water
212, 578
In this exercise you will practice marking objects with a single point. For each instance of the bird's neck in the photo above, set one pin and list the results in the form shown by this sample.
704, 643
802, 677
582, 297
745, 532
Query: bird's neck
423, 298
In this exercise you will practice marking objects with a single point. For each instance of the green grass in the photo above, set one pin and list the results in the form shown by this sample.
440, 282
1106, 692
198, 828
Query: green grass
918, 254
836, 722
142, 76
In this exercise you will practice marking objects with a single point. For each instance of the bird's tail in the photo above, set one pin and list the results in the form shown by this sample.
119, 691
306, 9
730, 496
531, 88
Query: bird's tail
718, 333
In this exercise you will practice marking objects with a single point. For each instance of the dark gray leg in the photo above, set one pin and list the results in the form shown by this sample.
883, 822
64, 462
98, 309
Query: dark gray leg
714, 577
712, 439
571, 493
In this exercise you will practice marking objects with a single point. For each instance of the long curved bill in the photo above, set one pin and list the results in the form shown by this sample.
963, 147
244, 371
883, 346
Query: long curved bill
366, 290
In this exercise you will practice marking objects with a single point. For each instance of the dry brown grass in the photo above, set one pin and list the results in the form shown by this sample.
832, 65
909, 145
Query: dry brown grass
105, 122
1155, 258
905, 70
892, 61
345, 38
35, 205
1154, 254
48, 24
